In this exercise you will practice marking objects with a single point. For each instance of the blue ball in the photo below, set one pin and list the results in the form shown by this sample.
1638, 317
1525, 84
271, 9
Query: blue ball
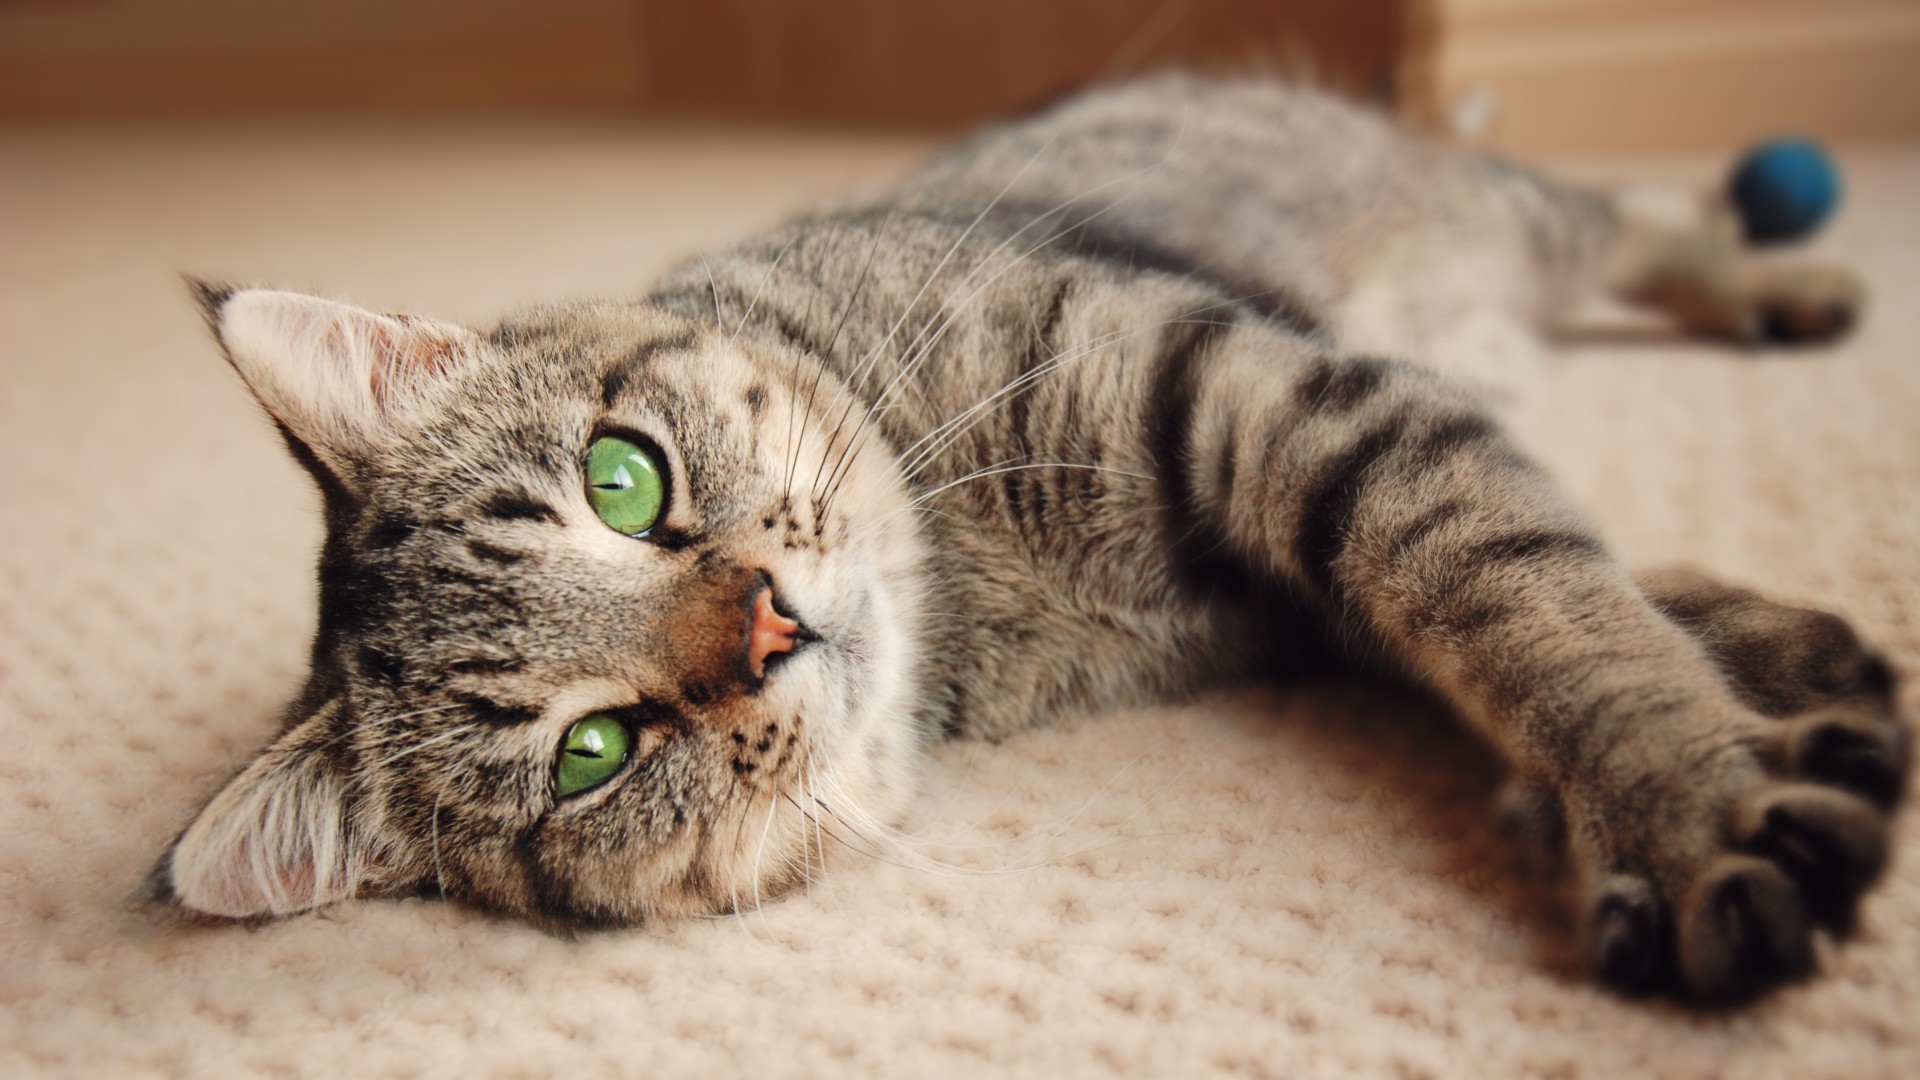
1784, 190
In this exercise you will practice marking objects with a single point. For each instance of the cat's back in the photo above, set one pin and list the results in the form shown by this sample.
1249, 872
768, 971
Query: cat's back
1252, 180
1285, 195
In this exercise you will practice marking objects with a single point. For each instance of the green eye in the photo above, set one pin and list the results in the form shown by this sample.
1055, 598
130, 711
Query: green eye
624, 485
593, 751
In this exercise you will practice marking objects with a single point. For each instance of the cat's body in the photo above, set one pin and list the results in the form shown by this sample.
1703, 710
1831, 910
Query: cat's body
1094, 409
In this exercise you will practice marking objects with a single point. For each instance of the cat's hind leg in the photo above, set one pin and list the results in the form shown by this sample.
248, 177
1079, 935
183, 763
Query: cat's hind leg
1540, 246
1683, 256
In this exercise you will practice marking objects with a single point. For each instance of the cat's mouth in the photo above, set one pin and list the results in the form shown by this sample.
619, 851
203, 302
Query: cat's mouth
774, 636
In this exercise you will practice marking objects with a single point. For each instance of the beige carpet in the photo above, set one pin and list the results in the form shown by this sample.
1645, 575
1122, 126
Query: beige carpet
1272, 885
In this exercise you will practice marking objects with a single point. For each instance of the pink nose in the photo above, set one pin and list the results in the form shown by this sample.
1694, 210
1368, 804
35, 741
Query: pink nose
772, 633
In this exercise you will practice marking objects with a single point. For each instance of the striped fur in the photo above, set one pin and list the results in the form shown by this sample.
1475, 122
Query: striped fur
1180, 382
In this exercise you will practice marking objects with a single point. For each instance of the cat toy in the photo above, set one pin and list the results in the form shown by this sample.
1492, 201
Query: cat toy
1783, 190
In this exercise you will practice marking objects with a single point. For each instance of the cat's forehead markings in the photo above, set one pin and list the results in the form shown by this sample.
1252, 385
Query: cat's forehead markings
620, 376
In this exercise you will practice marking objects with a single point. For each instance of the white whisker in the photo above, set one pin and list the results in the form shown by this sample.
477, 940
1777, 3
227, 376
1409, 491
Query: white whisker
921, 347
759, 856
761, 289
439, 870
859, 373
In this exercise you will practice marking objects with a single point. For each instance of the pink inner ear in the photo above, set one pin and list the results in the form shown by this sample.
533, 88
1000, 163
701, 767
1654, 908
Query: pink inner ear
407, 355
240, 890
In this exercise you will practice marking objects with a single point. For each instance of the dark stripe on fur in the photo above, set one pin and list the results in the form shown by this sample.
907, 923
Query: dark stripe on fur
612, 387
518, 506
485, 665
1465, 618
495, 714
1340, 386
551, 898
389, 531
1534, 544
1041, 348
1329, 507
493, 553
617, 379
1455, 434
1227, 469
1169, 433
790, 328
1136, 254
1327, 510
1416, 531
1101, 240
381, 666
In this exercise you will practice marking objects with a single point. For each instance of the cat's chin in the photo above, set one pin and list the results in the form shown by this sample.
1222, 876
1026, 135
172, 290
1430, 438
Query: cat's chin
865, 758
866, 602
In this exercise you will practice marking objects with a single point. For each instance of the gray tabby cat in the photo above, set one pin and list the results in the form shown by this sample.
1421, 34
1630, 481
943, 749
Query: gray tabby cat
631, 610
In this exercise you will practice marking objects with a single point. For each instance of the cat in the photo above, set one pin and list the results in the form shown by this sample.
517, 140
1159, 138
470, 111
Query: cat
633, 609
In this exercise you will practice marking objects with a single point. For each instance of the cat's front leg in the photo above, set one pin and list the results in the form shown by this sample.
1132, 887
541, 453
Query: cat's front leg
1708, 859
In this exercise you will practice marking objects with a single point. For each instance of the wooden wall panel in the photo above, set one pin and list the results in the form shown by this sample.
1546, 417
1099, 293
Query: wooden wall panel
954, 61
138, 59
902, 62
1590, 77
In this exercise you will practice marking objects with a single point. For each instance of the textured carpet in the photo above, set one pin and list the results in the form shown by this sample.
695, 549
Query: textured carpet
1300, 884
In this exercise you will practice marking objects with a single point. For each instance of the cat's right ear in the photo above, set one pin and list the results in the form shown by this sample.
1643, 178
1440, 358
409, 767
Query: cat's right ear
283, 836
339, 379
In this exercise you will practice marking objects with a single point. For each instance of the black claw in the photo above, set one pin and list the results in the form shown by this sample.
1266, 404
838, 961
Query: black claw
1830, 872
1783, 325
1875, 675
1628, 946
1777, 327
1855, 761
1767, 942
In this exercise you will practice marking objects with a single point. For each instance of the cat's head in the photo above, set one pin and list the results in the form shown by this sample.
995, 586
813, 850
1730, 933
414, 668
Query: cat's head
595, 642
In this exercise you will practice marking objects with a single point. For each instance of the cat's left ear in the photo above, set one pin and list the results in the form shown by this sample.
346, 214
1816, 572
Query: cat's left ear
341, 380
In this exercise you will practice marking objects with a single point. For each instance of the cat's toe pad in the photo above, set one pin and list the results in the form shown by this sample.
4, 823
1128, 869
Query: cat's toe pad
1629, 945
1742, 929
1831, 844
1855, 750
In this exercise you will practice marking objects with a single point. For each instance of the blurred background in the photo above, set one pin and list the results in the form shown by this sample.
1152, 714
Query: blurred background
1580, 77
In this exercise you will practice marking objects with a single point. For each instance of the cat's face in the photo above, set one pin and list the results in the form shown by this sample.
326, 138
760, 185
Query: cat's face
612, 623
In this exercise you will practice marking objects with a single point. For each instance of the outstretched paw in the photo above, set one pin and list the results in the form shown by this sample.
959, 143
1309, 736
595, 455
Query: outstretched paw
1728, 917
1717, 846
